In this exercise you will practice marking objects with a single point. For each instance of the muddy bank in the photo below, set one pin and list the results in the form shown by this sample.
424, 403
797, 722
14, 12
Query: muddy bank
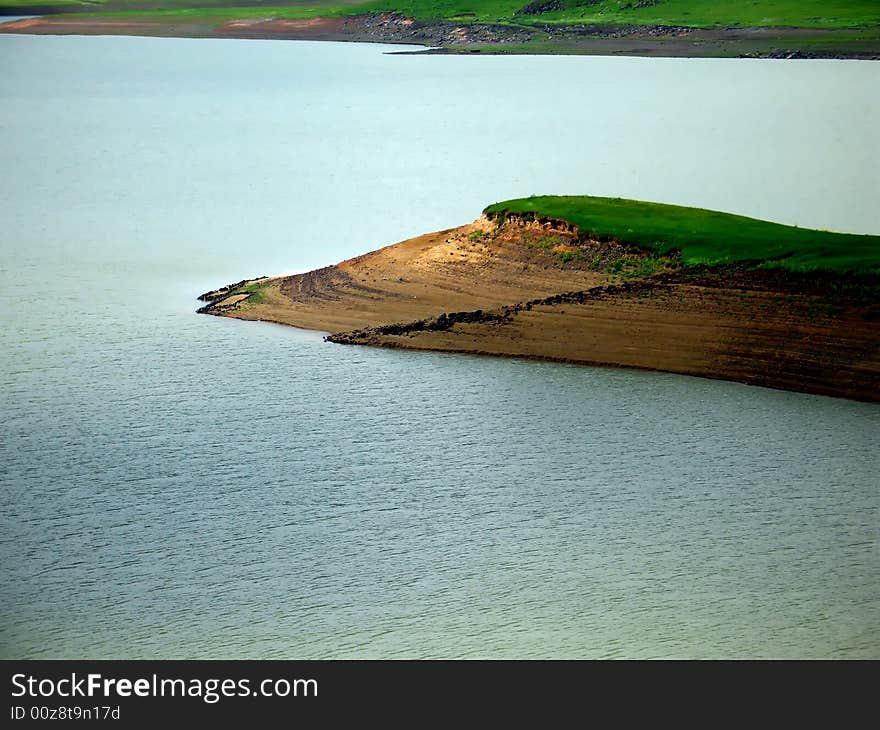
451, 37
539, 289
780, 339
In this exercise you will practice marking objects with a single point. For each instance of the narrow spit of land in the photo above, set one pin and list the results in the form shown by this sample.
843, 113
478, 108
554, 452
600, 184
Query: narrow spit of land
606, 282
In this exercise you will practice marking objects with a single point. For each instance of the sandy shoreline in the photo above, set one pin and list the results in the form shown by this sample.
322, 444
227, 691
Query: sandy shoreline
511, 290
449, 37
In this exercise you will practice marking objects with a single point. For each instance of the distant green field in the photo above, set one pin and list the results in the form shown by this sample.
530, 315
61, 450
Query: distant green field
706, 236
804, 13
699, 13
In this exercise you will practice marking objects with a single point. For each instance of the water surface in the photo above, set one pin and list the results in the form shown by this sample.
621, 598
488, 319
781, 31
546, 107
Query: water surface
183, 486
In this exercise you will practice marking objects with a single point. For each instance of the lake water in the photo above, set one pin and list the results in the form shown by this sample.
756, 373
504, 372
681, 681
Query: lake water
184, 486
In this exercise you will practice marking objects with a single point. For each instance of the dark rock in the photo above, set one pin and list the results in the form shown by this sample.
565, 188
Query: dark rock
539, 7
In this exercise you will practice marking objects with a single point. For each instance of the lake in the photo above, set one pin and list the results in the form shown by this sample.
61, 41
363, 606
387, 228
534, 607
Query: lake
191, 487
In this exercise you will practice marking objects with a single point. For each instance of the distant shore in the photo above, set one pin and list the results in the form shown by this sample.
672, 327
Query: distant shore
443, 36
541, 289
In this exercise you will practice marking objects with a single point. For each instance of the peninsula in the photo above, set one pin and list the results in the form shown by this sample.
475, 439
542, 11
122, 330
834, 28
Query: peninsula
677, 28
606, 281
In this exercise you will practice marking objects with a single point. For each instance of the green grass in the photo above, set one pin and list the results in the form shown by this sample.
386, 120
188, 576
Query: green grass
700, 13
221, 14
257, 296
564, 257
705, 236
707, 13
544, 242
629, 268
697, 13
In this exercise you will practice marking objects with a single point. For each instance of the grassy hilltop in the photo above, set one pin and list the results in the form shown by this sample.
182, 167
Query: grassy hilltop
705, 236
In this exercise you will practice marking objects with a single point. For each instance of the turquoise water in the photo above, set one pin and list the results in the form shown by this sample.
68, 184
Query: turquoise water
184, 486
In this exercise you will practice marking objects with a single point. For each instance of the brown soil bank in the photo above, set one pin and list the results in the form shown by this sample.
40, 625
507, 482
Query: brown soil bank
462, 37
536, 290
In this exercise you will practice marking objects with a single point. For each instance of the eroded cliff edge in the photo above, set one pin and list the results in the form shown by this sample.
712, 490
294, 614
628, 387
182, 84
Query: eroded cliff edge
535, 287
